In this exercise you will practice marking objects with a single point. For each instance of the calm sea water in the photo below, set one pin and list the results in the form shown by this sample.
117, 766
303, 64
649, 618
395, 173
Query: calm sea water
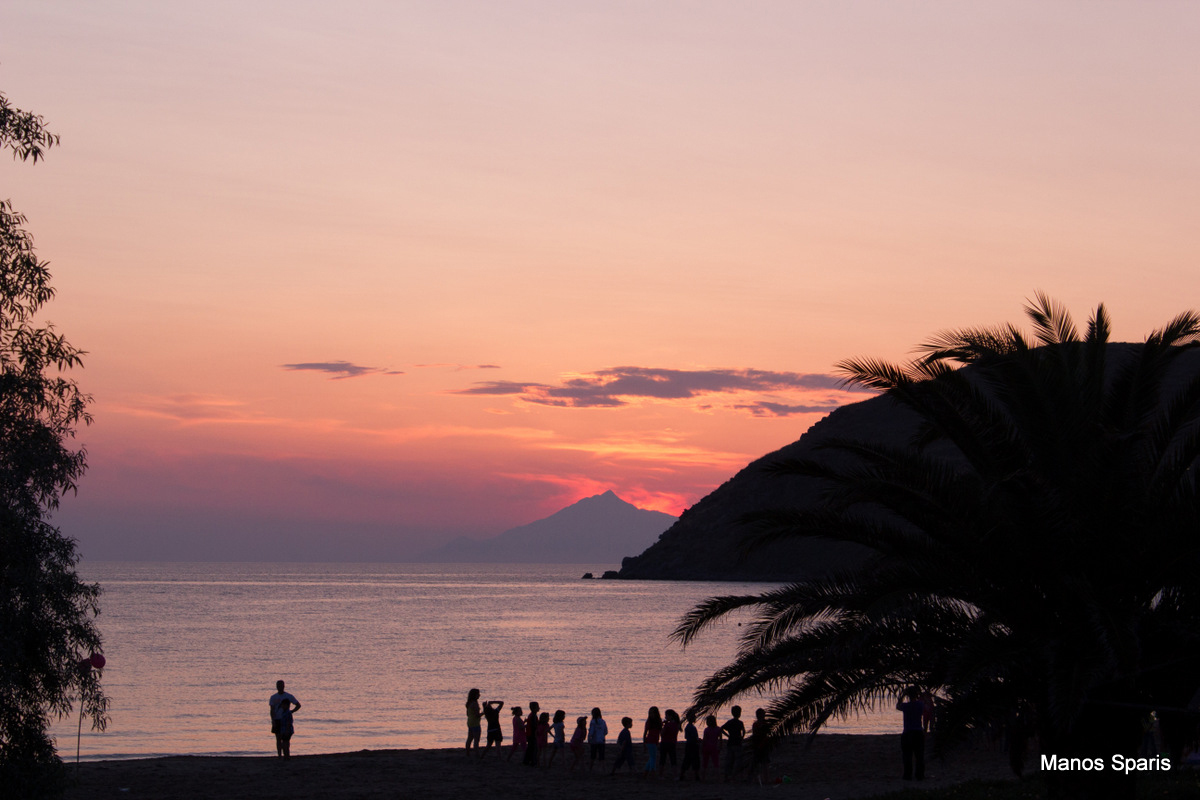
381, 655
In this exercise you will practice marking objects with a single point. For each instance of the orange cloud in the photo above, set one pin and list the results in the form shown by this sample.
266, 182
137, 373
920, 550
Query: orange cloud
652, 448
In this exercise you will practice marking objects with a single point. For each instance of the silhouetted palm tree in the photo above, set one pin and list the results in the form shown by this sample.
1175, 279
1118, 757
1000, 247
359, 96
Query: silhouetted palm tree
1036, 542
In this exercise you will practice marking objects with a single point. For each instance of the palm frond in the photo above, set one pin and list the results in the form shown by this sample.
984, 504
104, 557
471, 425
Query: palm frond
1051, 320
1173, 441
707, 613
1099, 328
873, 373
1184, 329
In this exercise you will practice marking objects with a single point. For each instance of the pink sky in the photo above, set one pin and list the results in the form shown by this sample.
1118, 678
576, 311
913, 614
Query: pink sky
357, 277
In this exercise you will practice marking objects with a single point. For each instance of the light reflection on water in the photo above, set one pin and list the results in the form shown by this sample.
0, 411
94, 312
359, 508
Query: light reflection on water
382, 656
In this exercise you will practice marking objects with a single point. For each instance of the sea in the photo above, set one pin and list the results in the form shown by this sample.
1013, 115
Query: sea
382, 656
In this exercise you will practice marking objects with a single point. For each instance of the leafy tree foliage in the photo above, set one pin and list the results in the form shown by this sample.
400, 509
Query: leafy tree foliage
1036, 545
47, 614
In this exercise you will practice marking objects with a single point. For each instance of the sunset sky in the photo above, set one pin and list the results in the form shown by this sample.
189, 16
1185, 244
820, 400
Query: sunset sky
357, 277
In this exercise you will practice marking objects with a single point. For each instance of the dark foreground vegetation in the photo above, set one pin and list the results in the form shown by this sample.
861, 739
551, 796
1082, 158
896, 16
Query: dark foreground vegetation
1035, 550
49, 644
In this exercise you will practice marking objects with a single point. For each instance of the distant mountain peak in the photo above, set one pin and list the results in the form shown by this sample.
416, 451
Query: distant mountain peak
598, 529
607, 497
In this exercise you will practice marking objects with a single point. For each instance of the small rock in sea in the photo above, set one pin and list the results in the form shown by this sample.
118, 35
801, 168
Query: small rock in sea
587, 576
610, 573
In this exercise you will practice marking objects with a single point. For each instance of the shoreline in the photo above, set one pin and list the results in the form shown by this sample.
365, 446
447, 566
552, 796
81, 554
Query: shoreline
834, 766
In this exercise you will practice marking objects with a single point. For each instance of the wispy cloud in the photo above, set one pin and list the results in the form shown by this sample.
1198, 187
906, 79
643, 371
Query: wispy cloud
765, 408
422, 432
618, 386
194, 409
340, 370
503, 388
650, 449
457, 367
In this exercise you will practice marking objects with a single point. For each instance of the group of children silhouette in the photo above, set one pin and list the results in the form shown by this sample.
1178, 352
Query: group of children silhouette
540, 738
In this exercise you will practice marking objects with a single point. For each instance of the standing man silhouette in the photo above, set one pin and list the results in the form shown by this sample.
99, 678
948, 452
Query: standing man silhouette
276, 703
912, 739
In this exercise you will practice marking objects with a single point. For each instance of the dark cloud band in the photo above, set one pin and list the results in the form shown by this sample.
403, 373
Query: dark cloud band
764, 408
612, 387
339, 370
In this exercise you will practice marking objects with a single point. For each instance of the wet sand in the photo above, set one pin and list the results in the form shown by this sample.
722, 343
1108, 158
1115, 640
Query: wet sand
835, 766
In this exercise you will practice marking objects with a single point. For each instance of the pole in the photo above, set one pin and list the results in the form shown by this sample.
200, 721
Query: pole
79, 734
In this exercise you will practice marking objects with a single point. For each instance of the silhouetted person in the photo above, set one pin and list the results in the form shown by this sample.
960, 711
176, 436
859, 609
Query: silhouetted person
559, 729
531, 738
474, 714
276, 703
578, 740
667, 742
624, 745
283, 739
760, 747
518, 724
927, 712
1179, 731
691, 747
734, 731
543, 737
495, 734
912, 737
710, 747
651, 734
597, 731
1149, 746
1016, 738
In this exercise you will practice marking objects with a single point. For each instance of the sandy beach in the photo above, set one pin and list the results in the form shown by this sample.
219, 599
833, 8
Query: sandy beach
835, 766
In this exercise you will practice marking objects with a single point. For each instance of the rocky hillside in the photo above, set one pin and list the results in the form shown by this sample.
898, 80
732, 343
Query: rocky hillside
706, 542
